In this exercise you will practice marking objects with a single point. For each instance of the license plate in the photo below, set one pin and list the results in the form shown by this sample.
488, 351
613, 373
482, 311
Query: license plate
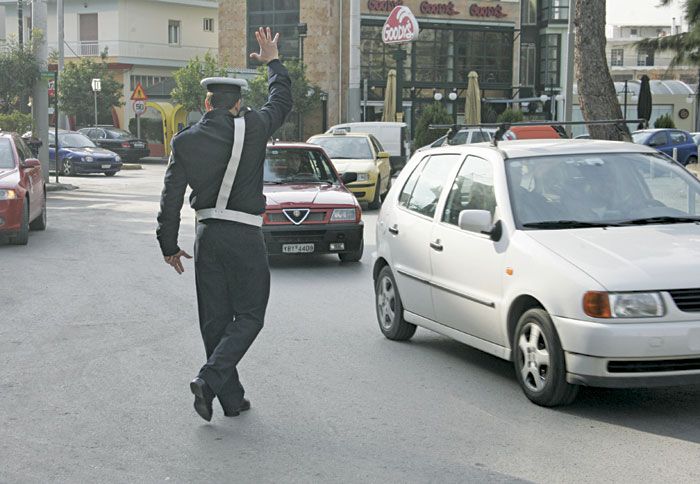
106, 166
297, 248
139, 145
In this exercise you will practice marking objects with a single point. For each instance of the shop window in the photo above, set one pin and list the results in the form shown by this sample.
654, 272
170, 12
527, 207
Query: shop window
528, 64
550, 60
281, 16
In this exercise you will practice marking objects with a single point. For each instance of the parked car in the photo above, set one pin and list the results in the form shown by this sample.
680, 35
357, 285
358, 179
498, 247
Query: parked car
696, 138
22, 190
309, 210
573, 259
666, 140
583, 136
463, 136
126, 145
534, 132
391, 135
77, 155
363, 154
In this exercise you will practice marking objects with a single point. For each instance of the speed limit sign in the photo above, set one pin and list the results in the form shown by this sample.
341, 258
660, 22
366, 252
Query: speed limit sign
139, 107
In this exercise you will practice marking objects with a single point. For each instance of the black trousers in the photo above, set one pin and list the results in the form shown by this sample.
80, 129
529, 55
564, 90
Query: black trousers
233, 287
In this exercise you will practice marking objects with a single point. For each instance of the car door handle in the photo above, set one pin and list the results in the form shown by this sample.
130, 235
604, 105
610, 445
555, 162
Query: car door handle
394, 230
436, 246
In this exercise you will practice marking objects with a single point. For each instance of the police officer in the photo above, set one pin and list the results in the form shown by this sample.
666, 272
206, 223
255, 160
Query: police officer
221, 158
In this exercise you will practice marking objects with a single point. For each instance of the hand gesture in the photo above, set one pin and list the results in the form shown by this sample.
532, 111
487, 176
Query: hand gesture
268, 46
175, 262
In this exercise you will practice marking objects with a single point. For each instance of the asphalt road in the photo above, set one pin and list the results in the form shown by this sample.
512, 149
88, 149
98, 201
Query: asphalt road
99, 340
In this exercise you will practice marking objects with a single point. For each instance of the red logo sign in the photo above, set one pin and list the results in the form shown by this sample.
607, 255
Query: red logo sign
400, 27
477, 11
383, 5
428, 8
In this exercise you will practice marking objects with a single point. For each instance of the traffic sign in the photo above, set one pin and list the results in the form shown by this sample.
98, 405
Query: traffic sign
139, 93
139, 107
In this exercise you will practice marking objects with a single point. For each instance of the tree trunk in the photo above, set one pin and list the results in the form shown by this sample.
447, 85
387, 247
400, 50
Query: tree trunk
596, 90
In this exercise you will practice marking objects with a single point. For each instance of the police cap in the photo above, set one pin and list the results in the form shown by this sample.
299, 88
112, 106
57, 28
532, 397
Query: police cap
224, 84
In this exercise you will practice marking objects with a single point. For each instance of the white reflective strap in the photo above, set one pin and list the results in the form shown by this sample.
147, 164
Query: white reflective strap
231, 215
233, 162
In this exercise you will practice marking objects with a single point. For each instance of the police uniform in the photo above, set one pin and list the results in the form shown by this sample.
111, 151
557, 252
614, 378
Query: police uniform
221, 158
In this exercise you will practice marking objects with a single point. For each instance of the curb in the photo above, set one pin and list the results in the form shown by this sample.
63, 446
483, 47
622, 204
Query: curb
153, 160
131, 166
60, 187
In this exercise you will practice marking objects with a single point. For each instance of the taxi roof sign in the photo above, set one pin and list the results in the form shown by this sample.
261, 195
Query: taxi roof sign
139, 93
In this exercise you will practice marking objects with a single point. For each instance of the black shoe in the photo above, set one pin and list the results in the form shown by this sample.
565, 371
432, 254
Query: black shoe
203, 396
245, 405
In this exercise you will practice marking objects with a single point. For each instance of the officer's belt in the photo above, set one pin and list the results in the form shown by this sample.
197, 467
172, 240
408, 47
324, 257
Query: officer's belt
220, 211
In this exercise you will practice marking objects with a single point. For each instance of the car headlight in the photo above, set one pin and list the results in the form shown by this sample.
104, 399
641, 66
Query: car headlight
8, 195
88, 158
118, 159
362, 176
623, 305
344, 215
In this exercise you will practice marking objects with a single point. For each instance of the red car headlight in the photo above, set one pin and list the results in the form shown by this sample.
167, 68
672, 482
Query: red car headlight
344, 215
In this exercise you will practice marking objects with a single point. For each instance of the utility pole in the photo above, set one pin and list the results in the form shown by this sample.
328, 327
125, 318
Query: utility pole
569, 94
354, 91
20, 22
40, 95
60, 120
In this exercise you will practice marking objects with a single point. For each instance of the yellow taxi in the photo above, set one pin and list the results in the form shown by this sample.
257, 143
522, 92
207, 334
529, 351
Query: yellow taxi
363, 154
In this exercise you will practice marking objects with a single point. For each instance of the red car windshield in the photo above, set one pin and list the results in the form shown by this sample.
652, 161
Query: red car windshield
297, 166
7, 159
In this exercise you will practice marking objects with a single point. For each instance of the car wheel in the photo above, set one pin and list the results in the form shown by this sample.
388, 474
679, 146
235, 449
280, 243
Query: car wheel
68, 169
390, 309
691, 160
353, 256
539, 361
22, 237
40, 222
110, 173
377, 200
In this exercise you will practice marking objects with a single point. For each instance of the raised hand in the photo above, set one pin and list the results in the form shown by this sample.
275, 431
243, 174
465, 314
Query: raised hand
268, 46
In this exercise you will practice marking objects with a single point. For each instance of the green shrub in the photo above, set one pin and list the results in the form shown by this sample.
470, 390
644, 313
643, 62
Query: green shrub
432, 114
510, 116
16, 122
665, 121
151, 129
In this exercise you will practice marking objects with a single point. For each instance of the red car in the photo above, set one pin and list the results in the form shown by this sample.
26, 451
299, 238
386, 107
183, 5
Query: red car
22, 190
309, 210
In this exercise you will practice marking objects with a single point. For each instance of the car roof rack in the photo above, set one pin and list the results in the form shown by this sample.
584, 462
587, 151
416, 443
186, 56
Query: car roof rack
502, 128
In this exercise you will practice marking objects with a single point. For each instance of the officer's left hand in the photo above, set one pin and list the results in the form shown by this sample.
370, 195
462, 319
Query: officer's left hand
174, 260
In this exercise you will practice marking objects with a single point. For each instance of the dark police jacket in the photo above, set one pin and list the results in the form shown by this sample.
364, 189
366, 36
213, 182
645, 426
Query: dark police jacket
200, 155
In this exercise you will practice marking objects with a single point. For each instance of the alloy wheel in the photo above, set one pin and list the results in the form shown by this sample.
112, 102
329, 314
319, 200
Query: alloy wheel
534, 357
67, 167
386, 302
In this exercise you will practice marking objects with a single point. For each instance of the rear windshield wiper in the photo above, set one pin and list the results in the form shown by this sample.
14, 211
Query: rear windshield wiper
566, 224
661, 220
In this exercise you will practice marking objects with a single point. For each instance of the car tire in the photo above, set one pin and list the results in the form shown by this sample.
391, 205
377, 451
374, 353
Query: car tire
390, 309
691, 160
539, 361
353, 256
39, 223
68, 169
22, 237
377, 200
110, 173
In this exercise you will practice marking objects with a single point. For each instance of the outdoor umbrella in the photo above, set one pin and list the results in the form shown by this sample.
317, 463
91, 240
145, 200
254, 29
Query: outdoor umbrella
644, 104
472, 110
390, 97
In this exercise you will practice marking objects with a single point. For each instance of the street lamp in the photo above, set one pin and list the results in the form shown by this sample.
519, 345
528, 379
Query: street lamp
302, 30
452, 96
437, 95
96, 87
324, 111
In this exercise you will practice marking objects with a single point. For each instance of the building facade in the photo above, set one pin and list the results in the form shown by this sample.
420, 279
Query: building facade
143, 40
456, 37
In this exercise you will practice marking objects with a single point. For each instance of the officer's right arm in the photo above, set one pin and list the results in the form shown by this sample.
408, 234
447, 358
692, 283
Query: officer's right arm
279, 104
171, 201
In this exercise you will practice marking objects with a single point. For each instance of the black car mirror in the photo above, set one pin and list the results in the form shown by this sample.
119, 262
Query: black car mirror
349, 177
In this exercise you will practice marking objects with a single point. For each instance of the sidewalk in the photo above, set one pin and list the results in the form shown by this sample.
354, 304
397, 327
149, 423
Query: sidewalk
694, 169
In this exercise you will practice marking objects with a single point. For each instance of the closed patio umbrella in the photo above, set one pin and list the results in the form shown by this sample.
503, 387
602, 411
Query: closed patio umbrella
644, 103
389, 113
472, 110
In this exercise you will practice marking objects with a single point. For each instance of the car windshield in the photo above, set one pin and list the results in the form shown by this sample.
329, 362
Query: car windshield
75, 140
119, 134
7, 158
297, 166
601, 189
639, 137
345, 147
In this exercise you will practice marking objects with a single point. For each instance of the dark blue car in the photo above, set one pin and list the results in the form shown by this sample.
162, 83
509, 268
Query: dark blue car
666, 140
78, 155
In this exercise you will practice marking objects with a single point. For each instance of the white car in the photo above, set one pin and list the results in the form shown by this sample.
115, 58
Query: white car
578, 260
463, 136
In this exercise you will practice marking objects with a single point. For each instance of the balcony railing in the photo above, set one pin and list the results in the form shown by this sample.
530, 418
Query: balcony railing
133, 49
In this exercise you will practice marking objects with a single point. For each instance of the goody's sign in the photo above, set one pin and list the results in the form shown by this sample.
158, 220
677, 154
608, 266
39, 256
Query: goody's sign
401, 26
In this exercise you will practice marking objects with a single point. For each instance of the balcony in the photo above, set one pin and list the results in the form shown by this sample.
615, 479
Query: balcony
134, 51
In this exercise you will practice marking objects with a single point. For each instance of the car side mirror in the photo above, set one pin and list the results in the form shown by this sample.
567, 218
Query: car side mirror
31, 163
349, 177
480, 221
383, 155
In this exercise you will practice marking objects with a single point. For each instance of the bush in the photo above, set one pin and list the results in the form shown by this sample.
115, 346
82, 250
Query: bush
665, 121
510, 116
16, 122
433, 114
151, 129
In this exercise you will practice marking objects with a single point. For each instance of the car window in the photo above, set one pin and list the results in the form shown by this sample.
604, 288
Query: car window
99, 134
438, 142
472, 189
7, 157
459, 139
74, 140
407, 190
377, 145
119, 134
678, 138
480, 137
658, 139
429, 185
345, 147
22, 149
296, 166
